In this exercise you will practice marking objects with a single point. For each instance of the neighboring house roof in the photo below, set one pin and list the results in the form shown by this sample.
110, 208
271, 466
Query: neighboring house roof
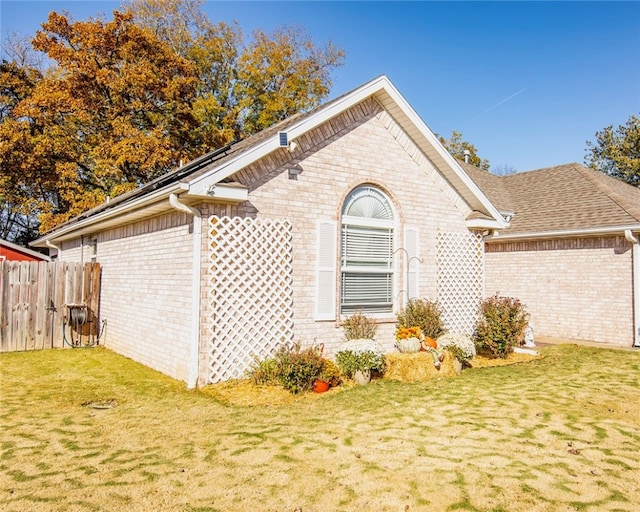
210, 177
565, 200
11, 251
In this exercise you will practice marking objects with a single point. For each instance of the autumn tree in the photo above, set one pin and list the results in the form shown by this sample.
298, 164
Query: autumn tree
457, 147
17, 49
115, 113
617, 152
245, 86
176, 22
22, 191
20, 69
129, 98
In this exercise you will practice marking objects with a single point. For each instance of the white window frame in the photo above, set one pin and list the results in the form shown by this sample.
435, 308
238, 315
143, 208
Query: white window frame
359, 263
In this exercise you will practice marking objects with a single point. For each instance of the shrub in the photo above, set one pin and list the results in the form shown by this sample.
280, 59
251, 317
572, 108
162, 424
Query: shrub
300, 368
330, 373
422, 313
501, 325
359, 326
460, 345
266, 371
293, 367
362, 354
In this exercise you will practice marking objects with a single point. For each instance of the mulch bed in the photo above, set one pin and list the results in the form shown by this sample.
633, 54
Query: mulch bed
404, 367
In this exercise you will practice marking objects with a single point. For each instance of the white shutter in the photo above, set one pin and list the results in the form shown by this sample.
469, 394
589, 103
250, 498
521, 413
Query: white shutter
413, 262
326, 271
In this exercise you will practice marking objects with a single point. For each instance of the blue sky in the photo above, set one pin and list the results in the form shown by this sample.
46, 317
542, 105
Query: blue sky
528, 83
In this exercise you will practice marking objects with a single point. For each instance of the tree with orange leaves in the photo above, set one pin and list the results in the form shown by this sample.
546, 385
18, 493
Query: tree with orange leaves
128, 98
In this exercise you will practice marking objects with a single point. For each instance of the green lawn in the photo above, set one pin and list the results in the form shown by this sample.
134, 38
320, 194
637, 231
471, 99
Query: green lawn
557, 434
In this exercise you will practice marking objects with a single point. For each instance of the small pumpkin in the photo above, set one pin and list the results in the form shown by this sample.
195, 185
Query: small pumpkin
320, 386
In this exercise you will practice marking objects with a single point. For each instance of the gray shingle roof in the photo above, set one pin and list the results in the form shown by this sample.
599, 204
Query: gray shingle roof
560, 198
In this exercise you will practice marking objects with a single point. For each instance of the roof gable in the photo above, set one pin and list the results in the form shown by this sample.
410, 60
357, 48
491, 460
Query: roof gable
381, 90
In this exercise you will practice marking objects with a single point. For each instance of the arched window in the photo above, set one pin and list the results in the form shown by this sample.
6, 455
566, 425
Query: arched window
366, 274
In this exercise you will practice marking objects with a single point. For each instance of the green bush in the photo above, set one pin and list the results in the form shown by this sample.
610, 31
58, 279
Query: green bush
501, 325
422, 313
266, 371
294, 367
331, 373
359, 326
300, 368
363, 354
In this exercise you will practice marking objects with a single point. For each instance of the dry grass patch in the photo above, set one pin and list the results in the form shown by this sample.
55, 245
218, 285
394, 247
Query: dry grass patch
244, 393
554, 435
481, 361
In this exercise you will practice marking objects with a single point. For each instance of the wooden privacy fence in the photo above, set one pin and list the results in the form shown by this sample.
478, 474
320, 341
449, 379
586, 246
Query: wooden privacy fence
48, 305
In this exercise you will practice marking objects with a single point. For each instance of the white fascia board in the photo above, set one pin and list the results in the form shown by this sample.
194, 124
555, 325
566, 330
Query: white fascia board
568, 233
382, 89
484, 224
448, 159
255, 153
93, 223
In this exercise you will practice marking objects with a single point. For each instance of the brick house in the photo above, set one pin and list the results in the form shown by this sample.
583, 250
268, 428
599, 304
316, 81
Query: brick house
277, 238
13, 252
571, 252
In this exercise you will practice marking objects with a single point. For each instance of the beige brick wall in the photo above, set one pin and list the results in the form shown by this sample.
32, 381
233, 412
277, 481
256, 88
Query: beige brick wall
146, 290
578, 289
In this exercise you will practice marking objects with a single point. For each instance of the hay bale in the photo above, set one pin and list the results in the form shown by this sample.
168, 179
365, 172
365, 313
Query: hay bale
417, 366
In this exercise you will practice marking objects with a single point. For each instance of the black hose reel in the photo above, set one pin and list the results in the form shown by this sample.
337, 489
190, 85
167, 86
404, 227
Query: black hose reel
77, 315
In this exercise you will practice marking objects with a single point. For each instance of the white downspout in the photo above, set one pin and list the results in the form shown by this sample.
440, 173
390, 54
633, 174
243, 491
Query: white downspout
194, 355
51, 245
636, 285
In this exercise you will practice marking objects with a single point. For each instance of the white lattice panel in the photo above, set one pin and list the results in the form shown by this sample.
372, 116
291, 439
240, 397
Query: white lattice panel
460, 279
250, 292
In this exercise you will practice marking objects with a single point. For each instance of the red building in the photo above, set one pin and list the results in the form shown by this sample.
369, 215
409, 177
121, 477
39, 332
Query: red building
13, 252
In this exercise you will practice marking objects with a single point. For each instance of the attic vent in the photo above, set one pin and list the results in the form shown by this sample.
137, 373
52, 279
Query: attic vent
284, 139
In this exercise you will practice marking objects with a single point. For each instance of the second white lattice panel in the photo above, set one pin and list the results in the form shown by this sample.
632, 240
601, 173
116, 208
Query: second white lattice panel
460, 279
